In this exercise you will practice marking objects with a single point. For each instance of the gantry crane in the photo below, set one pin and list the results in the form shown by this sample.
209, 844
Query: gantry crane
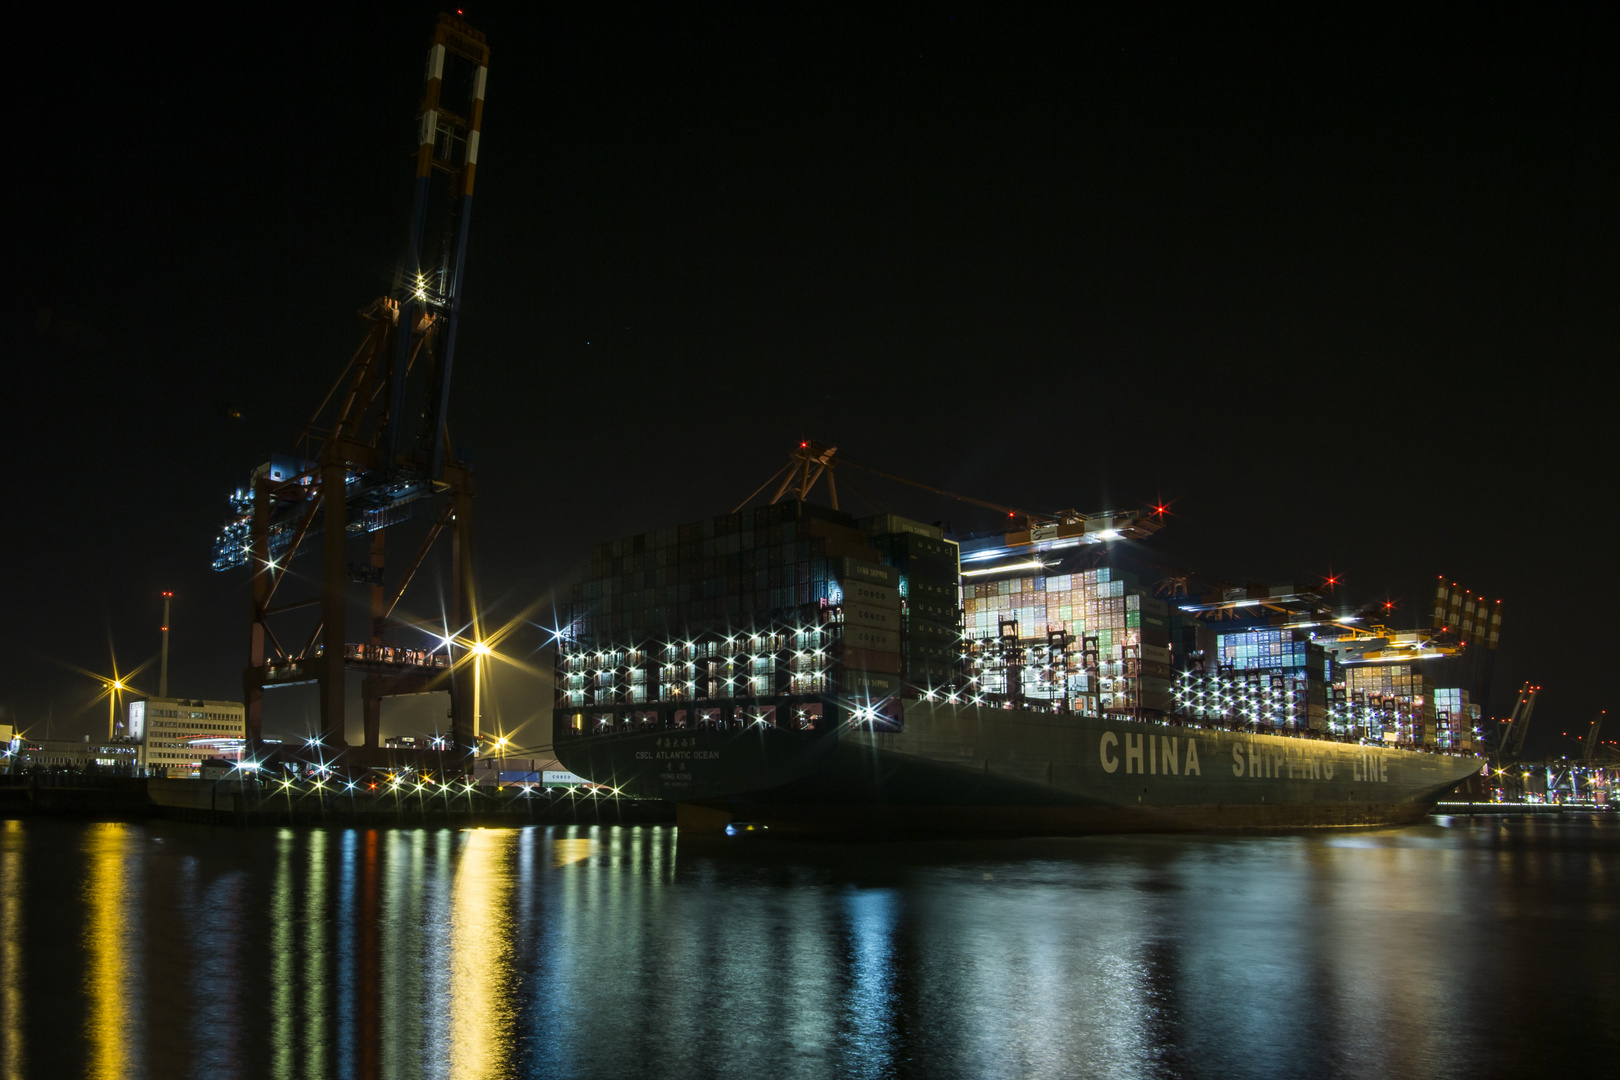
1589, 751
377, 452
1518, 724
1564, 772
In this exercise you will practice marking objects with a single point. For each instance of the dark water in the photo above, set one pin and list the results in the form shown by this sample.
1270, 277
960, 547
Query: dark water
1466, 948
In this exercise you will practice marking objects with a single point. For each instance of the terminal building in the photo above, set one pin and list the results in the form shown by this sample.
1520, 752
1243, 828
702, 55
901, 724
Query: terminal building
176, 734
75, 755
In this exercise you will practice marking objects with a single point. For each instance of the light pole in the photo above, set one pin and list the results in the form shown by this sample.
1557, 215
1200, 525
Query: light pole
479, 651
113, 689
500, 758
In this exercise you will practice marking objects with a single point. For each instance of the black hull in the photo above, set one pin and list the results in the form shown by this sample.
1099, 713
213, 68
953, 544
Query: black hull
963, 770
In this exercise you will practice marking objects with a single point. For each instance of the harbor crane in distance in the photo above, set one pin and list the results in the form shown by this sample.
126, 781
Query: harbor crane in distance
376, 453
1589, 751
1518, 724
1566, 773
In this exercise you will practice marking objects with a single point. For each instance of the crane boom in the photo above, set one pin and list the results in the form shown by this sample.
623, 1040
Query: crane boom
1592, 737
448, 125
811, 460
385, 420
1518, 724
1010, 511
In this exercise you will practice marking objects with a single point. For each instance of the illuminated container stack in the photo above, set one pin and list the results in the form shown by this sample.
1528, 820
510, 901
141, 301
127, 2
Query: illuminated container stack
1247, 658
1457, 719
1259, 700
1399, 698
781, 615
1263, 648
1297, 673
1261, 677
1091, 641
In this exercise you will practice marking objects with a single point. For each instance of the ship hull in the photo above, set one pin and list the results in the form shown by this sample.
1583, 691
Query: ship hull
967, 770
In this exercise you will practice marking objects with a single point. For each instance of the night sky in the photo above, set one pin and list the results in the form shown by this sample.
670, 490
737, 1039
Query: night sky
1337, 282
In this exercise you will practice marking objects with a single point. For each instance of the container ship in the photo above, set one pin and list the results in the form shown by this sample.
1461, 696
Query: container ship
797, 668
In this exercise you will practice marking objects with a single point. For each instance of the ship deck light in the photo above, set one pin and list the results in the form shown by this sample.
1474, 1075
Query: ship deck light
1028, 564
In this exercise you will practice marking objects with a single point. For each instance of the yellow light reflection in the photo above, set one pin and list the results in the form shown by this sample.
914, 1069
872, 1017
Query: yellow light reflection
481, 1012
565, 851
283, 1019
315, 956
11, 945
107, 1023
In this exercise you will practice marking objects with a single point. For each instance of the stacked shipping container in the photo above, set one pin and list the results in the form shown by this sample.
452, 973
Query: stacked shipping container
795, 615
1266, 648
1456, 718
1399, 696
1089, 642
1256, 676
1276, 677
1257, 698
785, 615
928, 566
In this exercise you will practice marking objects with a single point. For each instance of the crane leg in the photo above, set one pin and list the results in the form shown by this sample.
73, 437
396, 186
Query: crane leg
463, 725
334, 586
370, 695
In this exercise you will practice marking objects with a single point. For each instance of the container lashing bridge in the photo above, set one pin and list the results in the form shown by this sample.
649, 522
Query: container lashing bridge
376, 453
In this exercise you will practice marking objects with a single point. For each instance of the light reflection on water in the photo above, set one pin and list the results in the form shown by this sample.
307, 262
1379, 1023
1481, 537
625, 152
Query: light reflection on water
13, 864
1466, 948
283, 955
480, 956
111, 985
